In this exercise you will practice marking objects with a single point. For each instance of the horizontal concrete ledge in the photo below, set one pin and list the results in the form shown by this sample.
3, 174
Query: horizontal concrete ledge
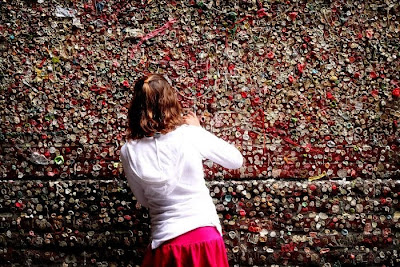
395, 175
219, 181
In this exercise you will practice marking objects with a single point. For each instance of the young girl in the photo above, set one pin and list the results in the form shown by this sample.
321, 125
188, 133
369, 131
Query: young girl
162, 161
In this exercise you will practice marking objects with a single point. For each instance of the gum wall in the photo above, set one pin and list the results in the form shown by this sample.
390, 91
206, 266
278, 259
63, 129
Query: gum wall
309, 91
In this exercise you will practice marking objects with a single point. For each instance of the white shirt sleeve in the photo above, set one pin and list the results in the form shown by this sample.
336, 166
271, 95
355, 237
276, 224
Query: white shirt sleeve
131, 177
216, 149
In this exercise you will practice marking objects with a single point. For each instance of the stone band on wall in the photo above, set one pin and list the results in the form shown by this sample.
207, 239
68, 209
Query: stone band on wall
265, 222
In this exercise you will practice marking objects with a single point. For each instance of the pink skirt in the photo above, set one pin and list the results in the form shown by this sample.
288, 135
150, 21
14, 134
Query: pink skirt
201, 247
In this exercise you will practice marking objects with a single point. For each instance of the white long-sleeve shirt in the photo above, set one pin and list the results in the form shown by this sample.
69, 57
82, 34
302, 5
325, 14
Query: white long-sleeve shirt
166, 175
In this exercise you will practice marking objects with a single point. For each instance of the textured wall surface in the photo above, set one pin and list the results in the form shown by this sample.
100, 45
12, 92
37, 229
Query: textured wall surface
291, 223
307, 90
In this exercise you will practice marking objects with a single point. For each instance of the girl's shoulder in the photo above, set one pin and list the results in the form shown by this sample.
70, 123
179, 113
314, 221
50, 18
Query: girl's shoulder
128, 144
189, 128
190, 131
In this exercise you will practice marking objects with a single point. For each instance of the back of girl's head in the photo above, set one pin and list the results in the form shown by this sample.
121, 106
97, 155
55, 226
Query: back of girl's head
154, 107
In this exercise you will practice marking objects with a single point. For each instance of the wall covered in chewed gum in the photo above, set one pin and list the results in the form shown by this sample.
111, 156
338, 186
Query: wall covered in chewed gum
309, 91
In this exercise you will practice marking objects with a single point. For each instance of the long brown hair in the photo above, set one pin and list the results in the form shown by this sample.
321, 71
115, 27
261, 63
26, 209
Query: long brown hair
154, 108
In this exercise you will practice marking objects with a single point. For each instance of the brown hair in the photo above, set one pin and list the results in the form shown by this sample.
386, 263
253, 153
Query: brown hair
154, 108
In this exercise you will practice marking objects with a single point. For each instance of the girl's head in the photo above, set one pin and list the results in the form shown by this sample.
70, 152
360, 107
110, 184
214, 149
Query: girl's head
154, 107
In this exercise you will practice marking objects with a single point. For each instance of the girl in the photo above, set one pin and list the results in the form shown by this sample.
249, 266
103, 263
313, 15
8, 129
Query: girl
162, 161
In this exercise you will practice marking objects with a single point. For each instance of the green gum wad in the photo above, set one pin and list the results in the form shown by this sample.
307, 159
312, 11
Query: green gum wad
59, 160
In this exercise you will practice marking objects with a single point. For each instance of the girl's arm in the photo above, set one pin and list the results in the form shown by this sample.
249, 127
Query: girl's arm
212, 147
136, 187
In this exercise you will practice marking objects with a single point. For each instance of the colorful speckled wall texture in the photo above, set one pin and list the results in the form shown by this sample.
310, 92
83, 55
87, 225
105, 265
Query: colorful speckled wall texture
309, 91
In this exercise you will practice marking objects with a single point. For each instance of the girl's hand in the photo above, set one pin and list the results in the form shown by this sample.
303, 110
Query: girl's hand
191, 119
